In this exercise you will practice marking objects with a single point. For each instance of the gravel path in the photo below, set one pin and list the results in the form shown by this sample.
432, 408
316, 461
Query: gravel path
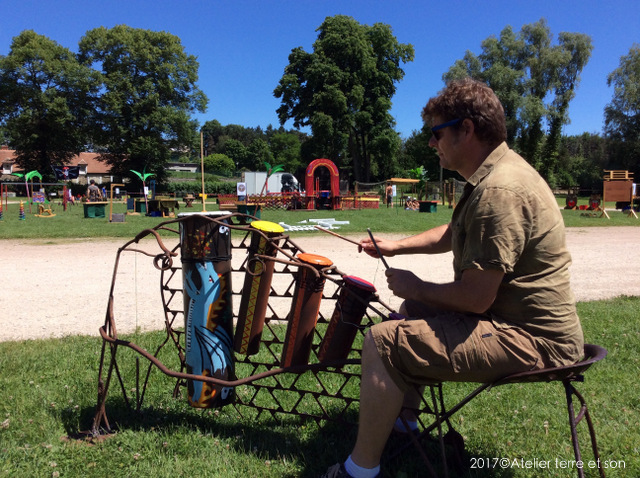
55, 289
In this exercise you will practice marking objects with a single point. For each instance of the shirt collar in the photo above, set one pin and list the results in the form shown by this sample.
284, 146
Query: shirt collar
488, 164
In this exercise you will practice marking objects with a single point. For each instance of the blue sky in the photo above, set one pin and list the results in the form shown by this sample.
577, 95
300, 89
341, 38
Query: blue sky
243, 45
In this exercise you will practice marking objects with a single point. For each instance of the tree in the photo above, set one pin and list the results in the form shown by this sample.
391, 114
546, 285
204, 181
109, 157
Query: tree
237, 152
45, 101
622, 115
258, 154
417, 153
583, 157
148, 92
343, 91
535, 82
219, 163
286, 151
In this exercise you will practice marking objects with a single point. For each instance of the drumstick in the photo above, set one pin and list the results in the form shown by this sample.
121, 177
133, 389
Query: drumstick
337, 235
377, 248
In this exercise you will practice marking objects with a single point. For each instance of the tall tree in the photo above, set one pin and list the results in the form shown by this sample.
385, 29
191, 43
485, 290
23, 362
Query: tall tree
286, 150
148, 94
343, 91
622, 115
535, 82
45, 101
583, 158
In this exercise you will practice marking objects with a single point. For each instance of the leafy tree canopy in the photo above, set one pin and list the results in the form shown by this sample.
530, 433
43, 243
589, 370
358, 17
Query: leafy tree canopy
219, 163
622, 115
343, 91
45, 102
148, 92
535, 82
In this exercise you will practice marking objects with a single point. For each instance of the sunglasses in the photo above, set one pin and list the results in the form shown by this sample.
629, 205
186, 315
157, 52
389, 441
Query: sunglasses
435, 131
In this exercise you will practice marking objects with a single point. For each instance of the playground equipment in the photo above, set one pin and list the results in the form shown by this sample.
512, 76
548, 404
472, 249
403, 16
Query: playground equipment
44, 211
317, 198
618, 186
39, 199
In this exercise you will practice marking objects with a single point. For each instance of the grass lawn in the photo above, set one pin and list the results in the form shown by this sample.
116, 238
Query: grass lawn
48, 391
72, 224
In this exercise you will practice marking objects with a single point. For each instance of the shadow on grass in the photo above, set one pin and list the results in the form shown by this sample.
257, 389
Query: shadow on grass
316, 446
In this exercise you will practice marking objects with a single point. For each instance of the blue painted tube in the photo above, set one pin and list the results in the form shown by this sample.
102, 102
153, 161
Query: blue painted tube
206, 274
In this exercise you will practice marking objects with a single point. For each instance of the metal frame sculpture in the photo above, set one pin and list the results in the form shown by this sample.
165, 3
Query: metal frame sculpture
261, 367
264, 377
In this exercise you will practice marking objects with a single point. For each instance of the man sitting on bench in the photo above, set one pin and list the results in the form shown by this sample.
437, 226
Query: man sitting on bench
510, 307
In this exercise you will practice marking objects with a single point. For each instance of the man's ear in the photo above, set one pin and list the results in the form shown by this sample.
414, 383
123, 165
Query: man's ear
468, 127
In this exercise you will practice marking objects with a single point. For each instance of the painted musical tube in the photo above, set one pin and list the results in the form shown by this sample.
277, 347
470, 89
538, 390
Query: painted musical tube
304, 310
257, 287
205, 248
351, 307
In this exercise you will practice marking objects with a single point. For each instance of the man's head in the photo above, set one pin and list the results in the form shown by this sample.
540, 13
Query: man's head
468, 99
92, 181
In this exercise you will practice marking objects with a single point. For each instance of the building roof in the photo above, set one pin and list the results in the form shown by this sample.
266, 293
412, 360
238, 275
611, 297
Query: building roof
93, 165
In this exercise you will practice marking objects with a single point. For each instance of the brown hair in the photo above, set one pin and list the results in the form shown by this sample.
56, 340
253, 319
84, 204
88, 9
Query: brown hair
472, 99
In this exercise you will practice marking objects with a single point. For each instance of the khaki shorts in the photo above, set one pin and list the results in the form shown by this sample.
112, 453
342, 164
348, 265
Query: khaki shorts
452, 346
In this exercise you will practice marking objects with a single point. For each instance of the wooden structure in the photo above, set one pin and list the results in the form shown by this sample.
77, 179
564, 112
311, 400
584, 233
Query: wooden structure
413, 183
618, 186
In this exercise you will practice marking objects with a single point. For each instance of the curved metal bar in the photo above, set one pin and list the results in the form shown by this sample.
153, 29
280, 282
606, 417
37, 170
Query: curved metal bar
226, 383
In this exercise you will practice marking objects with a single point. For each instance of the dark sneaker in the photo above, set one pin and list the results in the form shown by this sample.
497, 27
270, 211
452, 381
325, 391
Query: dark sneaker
336, 471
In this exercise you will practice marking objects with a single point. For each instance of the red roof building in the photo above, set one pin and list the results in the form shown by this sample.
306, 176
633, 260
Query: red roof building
90, 167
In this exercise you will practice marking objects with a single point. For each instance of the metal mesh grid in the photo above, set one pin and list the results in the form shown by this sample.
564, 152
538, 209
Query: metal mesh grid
317, 391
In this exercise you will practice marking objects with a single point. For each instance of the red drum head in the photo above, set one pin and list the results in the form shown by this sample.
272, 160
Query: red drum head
360, 283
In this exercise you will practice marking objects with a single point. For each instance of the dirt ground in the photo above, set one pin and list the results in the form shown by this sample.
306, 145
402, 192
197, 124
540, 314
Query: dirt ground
60, 288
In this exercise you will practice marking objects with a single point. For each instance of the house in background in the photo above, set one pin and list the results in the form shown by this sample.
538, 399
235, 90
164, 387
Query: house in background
88, 163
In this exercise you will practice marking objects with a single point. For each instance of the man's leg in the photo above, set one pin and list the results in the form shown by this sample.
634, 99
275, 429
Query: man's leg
380, 404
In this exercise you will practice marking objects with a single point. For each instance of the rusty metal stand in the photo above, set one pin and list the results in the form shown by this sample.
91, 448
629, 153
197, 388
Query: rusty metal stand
263, 376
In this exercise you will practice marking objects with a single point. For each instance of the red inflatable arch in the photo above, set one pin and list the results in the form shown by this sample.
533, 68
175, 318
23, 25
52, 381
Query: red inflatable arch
335, 183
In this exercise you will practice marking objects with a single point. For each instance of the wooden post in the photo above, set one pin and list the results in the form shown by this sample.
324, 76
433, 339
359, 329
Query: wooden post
204, 196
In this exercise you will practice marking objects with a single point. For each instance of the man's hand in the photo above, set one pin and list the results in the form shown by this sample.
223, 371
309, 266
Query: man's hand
387, 247
403, 284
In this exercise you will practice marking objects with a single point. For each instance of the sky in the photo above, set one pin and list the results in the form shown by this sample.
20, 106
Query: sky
242, 46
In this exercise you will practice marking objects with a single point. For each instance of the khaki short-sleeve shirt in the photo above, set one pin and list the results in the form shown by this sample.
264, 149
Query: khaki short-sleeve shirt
509, 220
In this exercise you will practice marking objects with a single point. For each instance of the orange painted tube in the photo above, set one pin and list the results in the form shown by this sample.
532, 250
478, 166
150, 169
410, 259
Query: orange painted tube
304, 311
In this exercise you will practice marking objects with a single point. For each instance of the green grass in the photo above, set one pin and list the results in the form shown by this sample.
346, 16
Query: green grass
72, 224
48, 391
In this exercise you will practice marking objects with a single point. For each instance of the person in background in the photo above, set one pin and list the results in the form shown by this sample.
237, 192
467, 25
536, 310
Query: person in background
509, 307
389, 195
93, 192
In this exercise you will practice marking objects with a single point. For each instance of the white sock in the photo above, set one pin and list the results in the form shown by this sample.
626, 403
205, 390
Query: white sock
359, 472
399, 425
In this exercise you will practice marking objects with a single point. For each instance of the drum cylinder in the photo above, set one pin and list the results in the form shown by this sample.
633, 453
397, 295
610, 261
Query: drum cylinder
305, 307
205, 248
350, 308
257, 287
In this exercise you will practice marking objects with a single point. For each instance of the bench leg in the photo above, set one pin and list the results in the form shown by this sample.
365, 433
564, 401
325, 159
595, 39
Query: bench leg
574, 420
441, 415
